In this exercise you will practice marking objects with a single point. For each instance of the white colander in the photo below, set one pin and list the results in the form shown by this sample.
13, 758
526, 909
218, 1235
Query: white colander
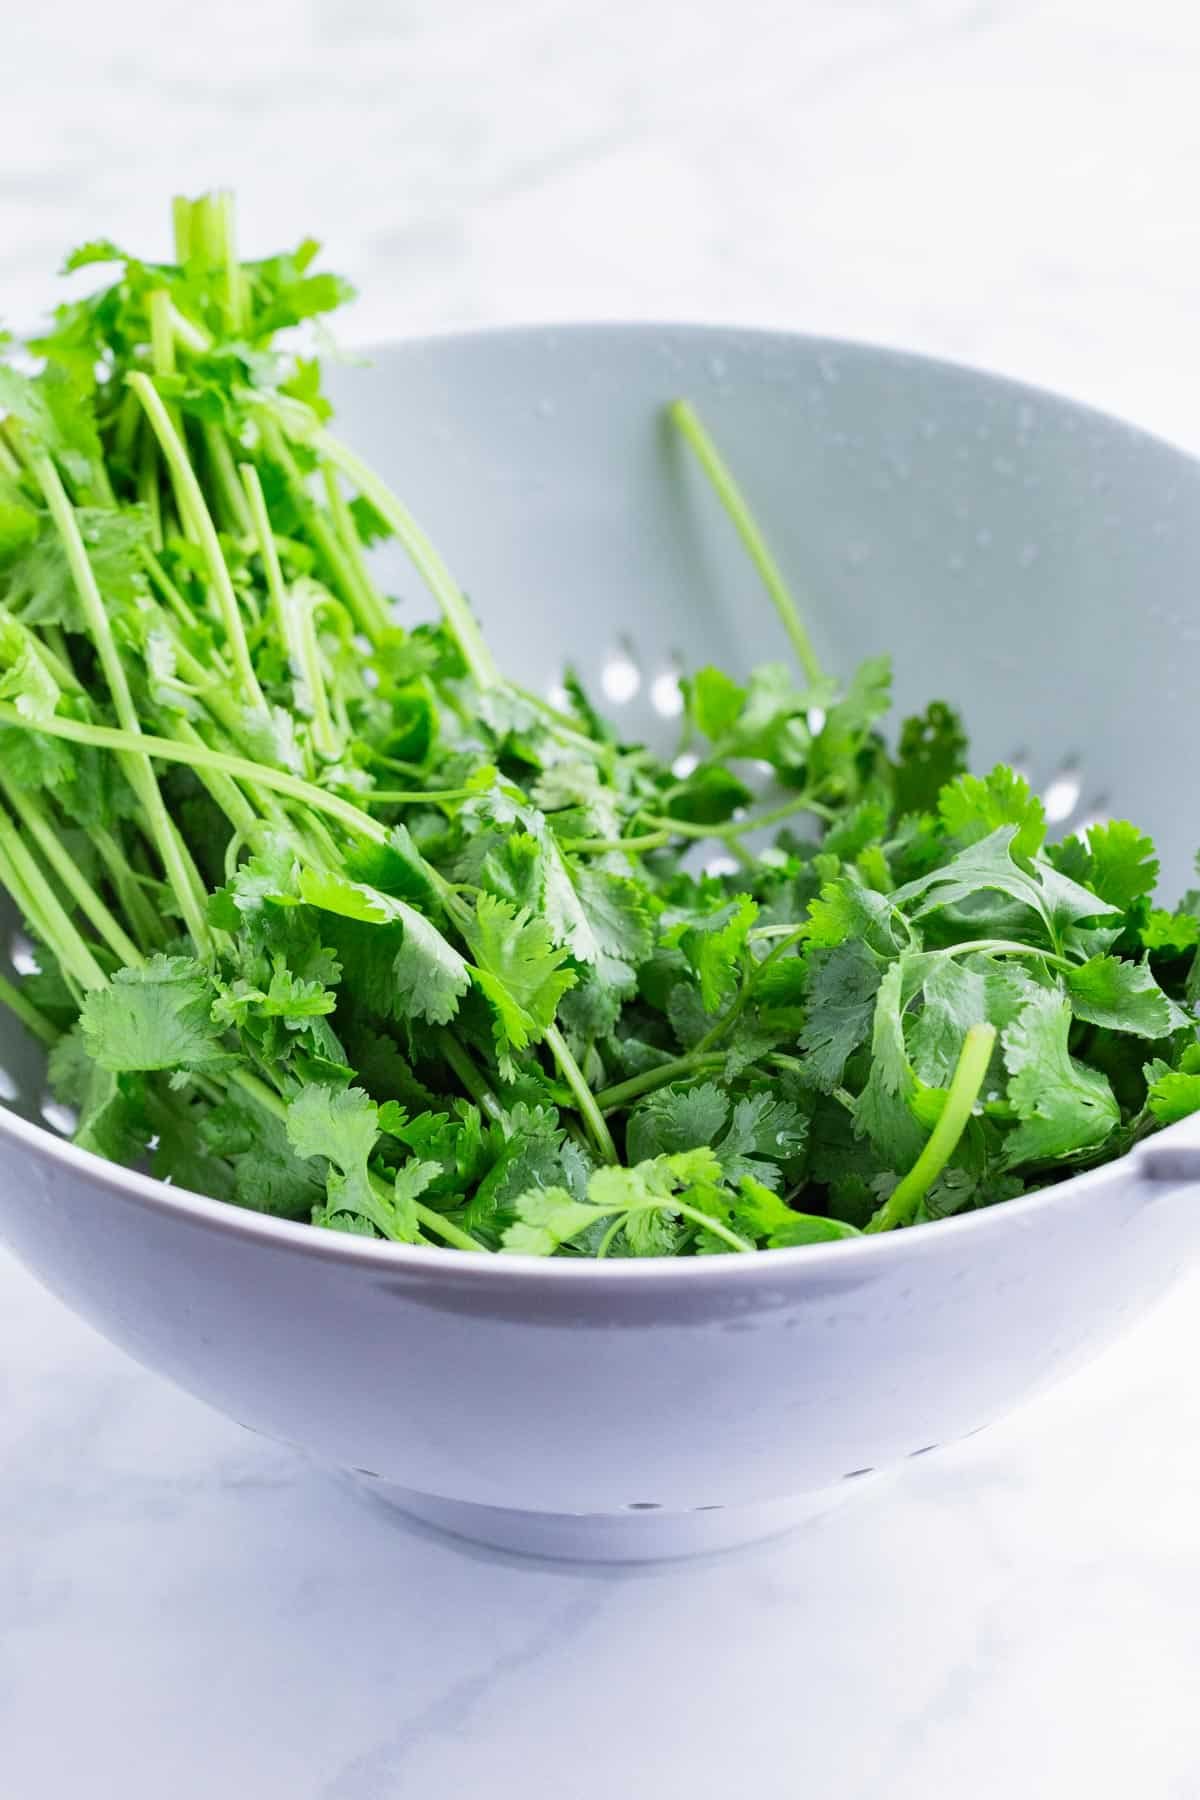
1029, 560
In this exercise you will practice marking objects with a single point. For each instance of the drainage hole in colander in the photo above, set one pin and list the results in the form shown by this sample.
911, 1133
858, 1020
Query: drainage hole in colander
620, 677
666, 695
60, 1118
852, 1474
923, 1451
643, 1506
1062, 795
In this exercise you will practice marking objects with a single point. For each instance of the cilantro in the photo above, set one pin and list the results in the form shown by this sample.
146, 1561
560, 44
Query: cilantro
334, 921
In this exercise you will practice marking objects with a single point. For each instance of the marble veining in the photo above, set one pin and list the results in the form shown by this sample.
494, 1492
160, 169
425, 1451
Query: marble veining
188, 1610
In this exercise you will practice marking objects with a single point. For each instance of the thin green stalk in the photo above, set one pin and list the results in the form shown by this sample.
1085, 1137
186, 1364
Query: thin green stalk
614, 1099
585, 1100
627, 846
162, 333
1005, 947
180, 870
268, 551
126, 884
147, 486
225, 481
685, 419
421, 553
299, 605
181, 220
199, 523
901, 1204
685, 1211
418, 797
371, 602
193, 756
224, 790
736, 828
32, 816
369, 618
24, 1009
468, 1074
48, 916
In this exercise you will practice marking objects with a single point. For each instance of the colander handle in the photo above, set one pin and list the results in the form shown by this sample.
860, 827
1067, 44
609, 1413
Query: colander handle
1175, 1154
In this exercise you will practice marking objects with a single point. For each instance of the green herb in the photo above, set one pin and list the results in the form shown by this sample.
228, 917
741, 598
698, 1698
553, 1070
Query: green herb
336, 921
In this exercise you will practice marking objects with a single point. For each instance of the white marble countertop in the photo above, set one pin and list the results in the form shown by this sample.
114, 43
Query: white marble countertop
187, 1610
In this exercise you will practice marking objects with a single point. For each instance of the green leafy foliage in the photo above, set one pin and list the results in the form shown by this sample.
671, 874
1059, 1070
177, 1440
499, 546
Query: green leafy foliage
376, 938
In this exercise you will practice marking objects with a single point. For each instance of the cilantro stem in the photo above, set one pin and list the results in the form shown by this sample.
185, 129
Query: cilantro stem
418, 796
371, 604
45, 911
627, 846
197, 757
365, 608
468, 1074
735, 828
180, 869
24, 1009
264, 538
225, 792
590, 1112
901, 1204
33, 818
1005, 947
198, 523
127, 885
225, 481
614, 1099
685, 1211
421, 553
683, 416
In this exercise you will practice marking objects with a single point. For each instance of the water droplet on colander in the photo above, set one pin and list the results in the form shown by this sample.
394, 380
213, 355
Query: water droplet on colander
983, 537
718, 368
829, 370
545, 408
1027, 555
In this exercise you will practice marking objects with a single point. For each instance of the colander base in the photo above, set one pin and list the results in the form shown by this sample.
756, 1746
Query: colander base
641, 1532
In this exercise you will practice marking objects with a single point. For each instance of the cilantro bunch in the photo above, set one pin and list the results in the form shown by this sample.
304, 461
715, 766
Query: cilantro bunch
336, 922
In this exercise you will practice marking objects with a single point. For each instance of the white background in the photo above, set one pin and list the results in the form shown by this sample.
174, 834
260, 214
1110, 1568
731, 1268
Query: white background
186, 1610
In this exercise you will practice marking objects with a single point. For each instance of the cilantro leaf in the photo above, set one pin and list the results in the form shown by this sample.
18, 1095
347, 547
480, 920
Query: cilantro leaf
1063, 1106
158, 1016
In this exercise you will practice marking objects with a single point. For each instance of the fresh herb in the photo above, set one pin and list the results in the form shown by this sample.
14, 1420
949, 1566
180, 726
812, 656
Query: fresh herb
337, 922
